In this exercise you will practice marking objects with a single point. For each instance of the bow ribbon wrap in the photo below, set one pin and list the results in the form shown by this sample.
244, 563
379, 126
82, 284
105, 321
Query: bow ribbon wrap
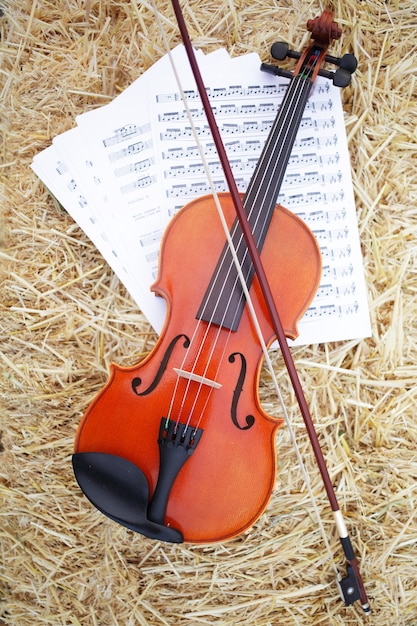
351, 587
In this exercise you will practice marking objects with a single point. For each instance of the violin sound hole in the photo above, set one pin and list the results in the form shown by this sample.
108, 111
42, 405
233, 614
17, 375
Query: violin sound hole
136, 382
249, 419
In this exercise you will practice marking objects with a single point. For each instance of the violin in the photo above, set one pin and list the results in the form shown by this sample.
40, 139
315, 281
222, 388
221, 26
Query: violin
178, 447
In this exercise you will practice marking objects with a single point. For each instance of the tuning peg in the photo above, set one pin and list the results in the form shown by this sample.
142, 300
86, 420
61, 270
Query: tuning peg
341, 78
349, 63
277, 71
280, 50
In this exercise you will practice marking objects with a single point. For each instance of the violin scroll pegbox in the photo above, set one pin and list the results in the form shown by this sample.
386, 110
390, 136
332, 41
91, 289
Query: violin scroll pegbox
323, 30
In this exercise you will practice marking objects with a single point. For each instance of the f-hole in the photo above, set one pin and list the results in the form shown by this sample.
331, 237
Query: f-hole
136, 382
249, 419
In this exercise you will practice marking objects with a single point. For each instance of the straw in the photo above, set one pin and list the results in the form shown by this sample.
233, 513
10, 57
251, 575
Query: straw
65, 318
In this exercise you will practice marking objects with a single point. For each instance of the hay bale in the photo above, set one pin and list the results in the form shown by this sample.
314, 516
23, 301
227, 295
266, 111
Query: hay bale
65, 317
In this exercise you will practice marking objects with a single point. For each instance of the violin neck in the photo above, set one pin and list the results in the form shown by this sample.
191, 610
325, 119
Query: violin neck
224, 300
263, 189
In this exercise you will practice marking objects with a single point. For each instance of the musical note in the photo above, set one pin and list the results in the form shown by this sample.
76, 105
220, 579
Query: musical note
139, 183
138, 166
130, 150
129, 130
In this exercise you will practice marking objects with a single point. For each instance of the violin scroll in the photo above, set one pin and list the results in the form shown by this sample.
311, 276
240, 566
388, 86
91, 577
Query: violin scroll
323, 29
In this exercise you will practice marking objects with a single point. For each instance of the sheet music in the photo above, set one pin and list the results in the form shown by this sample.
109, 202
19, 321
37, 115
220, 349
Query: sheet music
129, 166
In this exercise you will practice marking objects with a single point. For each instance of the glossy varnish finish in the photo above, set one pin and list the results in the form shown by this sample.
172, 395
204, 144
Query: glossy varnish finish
226, 483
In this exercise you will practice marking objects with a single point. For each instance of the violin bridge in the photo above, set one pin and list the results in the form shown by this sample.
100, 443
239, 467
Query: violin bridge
197, 378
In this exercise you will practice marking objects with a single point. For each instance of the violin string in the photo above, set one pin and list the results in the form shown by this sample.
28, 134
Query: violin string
286, 124
284, 119
220, 211
296, 98
201, 344
251, 308
294, 94
221, 271
259, 185
289, 126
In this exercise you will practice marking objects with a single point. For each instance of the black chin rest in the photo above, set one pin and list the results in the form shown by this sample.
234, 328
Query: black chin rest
120, 490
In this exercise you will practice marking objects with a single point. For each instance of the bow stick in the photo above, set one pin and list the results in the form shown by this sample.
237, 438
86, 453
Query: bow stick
351, 587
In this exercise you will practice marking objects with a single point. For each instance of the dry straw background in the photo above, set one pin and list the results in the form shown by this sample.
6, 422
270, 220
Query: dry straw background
65, 317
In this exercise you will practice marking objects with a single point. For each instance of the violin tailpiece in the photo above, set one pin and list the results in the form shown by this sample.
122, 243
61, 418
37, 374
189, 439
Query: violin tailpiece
176, 444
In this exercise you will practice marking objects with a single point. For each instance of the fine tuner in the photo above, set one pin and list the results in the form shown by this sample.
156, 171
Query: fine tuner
347, 64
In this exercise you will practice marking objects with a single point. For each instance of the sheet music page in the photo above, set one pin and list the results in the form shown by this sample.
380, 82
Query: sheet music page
64, 185
129, 166
317, 185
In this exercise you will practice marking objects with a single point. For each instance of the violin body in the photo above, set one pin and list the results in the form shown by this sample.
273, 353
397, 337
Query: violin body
225, 484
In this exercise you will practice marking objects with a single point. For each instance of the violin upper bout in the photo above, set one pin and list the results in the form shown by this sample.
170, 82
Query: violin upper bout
292, 260
193, 242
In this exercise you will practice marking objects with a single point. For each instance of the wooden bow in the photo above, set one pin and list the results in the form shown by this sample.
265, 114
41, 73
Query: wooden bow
351, 587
